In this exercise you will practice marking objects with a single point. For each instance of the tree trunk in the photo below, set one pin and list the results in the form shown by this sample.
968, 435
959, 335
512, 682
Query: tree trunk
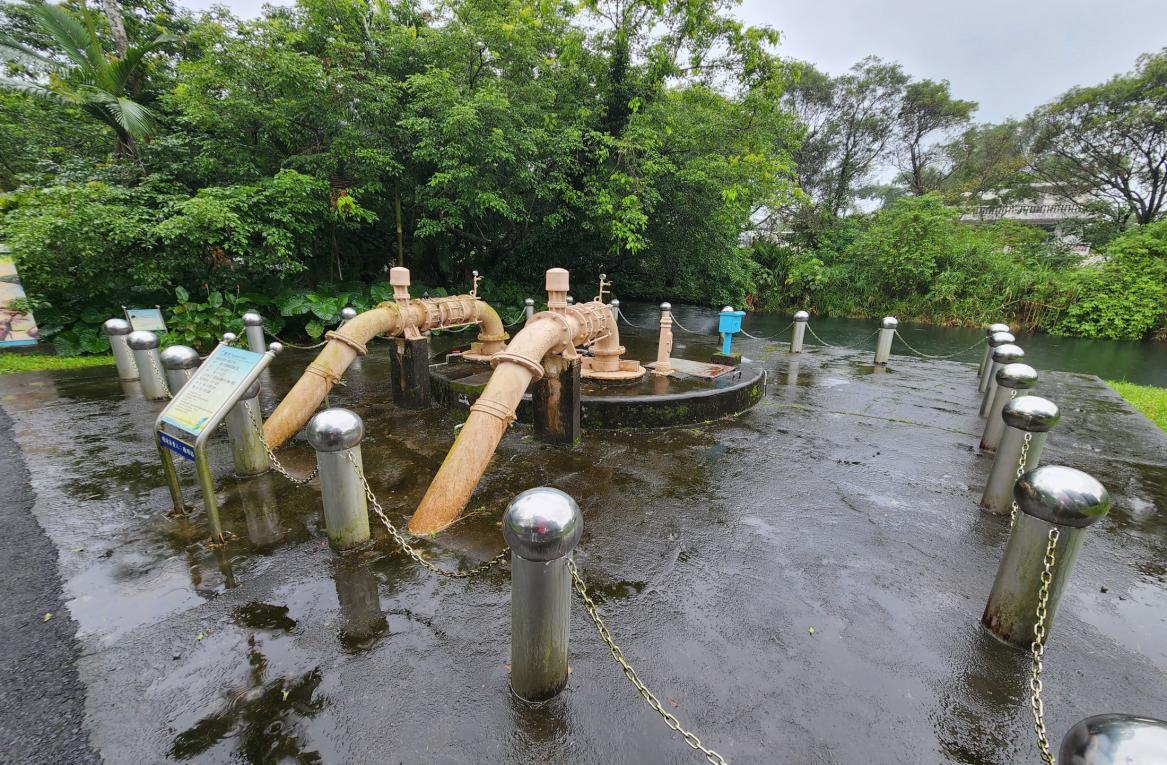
400, 230
114, 14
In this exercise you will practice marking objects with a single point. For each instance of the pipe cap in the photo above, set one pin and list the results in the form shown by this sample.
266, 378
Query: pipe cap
1007, 353
252, 319
141, 340
348, 313
1062, 496
1114, 739
802, 316
995, 328
542, 524
1033, 414
666, 306
889, 322
1001, 338
335, 429
1016, 376
399, 276
558, 280
180, 357
116, 327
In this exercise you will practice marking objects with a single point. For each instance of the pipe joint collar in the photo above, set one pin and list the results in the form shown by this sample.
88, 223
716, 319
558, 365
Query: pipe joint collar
340, 337
532, 366
494, 409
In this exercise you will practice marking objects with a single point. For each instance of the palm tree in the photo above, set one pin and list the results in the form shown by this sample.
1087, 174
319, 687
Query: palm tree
84, 75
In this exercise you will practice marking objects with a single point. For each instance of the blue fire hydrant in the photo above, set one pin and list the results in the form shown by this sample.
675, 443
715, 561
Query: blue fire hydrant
730, 322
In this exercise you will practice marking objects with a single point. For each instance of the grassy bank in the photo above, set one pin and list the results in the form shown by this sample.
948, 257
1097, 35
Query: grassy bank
1148, 399
10, 363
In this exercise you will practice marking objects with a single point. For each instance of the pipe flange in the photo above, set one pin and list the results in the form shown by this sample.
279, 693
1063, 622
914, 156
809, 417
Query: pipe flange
360, 349
494, 409
532, 366
500, 338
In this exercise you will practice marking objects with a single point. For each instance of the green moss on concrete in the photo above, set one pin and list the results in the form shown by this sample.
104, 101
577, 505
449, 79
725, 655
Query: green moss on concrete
11, 363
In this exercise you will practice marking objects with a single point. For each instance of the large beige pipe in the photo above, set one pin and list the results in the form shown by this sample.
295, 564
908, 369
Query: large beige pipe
547, 333
349, 341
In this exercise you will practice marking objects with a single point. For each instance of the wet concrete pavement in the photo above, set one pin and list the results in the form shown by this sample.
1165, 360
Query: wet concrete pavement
846, 502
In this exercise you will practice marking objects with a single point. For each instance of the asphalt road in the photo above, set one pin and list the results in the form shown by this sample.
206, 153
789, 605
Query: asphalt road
42, 701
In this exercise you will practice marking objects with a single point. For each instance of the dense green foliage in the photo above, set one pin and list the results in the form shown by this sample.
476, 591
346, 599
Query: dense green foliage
213, 164
1149, 400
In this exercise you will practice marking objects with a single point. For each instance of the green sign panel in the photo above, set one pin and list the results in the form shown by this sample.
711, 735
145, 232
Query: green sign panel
211, 389
148, 319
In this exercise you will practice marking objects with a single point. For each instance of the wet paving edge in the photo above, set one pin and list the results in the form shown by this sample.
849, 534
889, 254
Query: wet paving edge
42, 700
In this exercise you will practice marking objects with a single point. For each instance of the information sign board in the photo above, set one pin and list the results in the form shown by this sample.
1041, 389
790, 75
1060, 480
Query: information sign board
148, 319
181, 448
211, 388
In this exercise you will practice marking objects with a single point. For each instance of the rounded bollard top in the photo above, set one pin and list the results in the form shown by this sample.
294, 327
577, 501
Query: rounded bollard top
889, 322
542, 524
116, 327
570, 300
348, 313
180, 357
995, 328
228, 338
141, 340
529, 301
252, 319
1062, 496
1033, 414
801, 316
1008, 353
666, 306
1001, 338
398, 276
1017, 376
614, 302
276, 348
1114, 739
335, 429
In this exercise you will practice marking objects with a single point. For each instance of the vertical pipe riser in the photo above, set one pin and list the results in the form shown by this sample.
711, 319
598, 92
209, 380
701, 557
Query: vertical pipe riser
346, 510
540, 627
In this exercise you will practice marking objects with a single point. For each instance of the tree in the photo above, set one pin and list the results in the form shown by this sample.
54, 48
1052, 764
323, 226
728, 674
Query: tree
927, 108
987, 159
83, 75
1109, 142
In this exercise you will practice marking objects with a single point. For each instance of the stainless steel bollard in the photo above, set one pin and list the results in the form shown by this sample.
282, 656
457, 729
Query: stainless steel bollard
798, 331
528, 309
1013, 380
542, 527
253, 329
1057, 502
996, 340
117, 330
1028, 420
179, 363
1002, 354
887, 330
347, 314
149, 362
1114, 739
615, 309
244, 433
336, 436
989, 332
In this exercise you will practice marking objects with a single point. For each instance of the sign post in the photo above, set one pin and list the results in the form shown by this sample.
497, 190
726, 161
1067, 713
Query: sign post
197, 410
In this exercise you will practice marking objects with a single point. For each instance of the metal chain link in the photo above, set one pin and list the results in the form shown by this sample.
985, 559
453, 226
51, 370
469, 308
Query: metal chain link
769, 339
1020, 472
590, 606
158, 374
821, 341
682, 326
409, 549
1037, 648
630, 323
928, 356
277, 465
293, 345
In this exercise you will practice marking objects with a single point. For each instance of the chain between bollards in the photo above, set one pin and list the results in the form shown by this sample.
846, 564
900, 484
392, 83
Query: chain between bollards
278, 466
1020, 472
670, 720
161, 378
770, 339
938, 358
409, 549
815, 335
293, 345
1037, 649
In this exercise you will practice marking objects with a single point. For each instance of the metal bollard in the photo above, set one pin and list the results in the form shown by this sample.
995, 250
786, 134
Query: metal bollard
149, 362
528, 309
253, 328
996, 340
1056, 504
1013, 380
570, 300
542, 527
798, 331
1114, 739
179, 363
244, 433
1002, 354
347, 314
1029, 419
988, 359
336, 436
615, 309
887, 330
117, 330
664, 345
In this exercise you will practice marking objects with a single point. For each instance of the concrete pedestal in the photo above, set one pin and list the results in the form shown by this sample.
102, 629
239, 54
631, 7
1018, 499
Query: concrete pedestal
555, 401
409, 372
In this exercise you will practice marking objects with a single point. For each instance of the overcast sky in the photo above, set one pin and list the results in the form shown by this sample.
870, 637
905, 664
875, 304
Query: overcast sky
1008, 55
